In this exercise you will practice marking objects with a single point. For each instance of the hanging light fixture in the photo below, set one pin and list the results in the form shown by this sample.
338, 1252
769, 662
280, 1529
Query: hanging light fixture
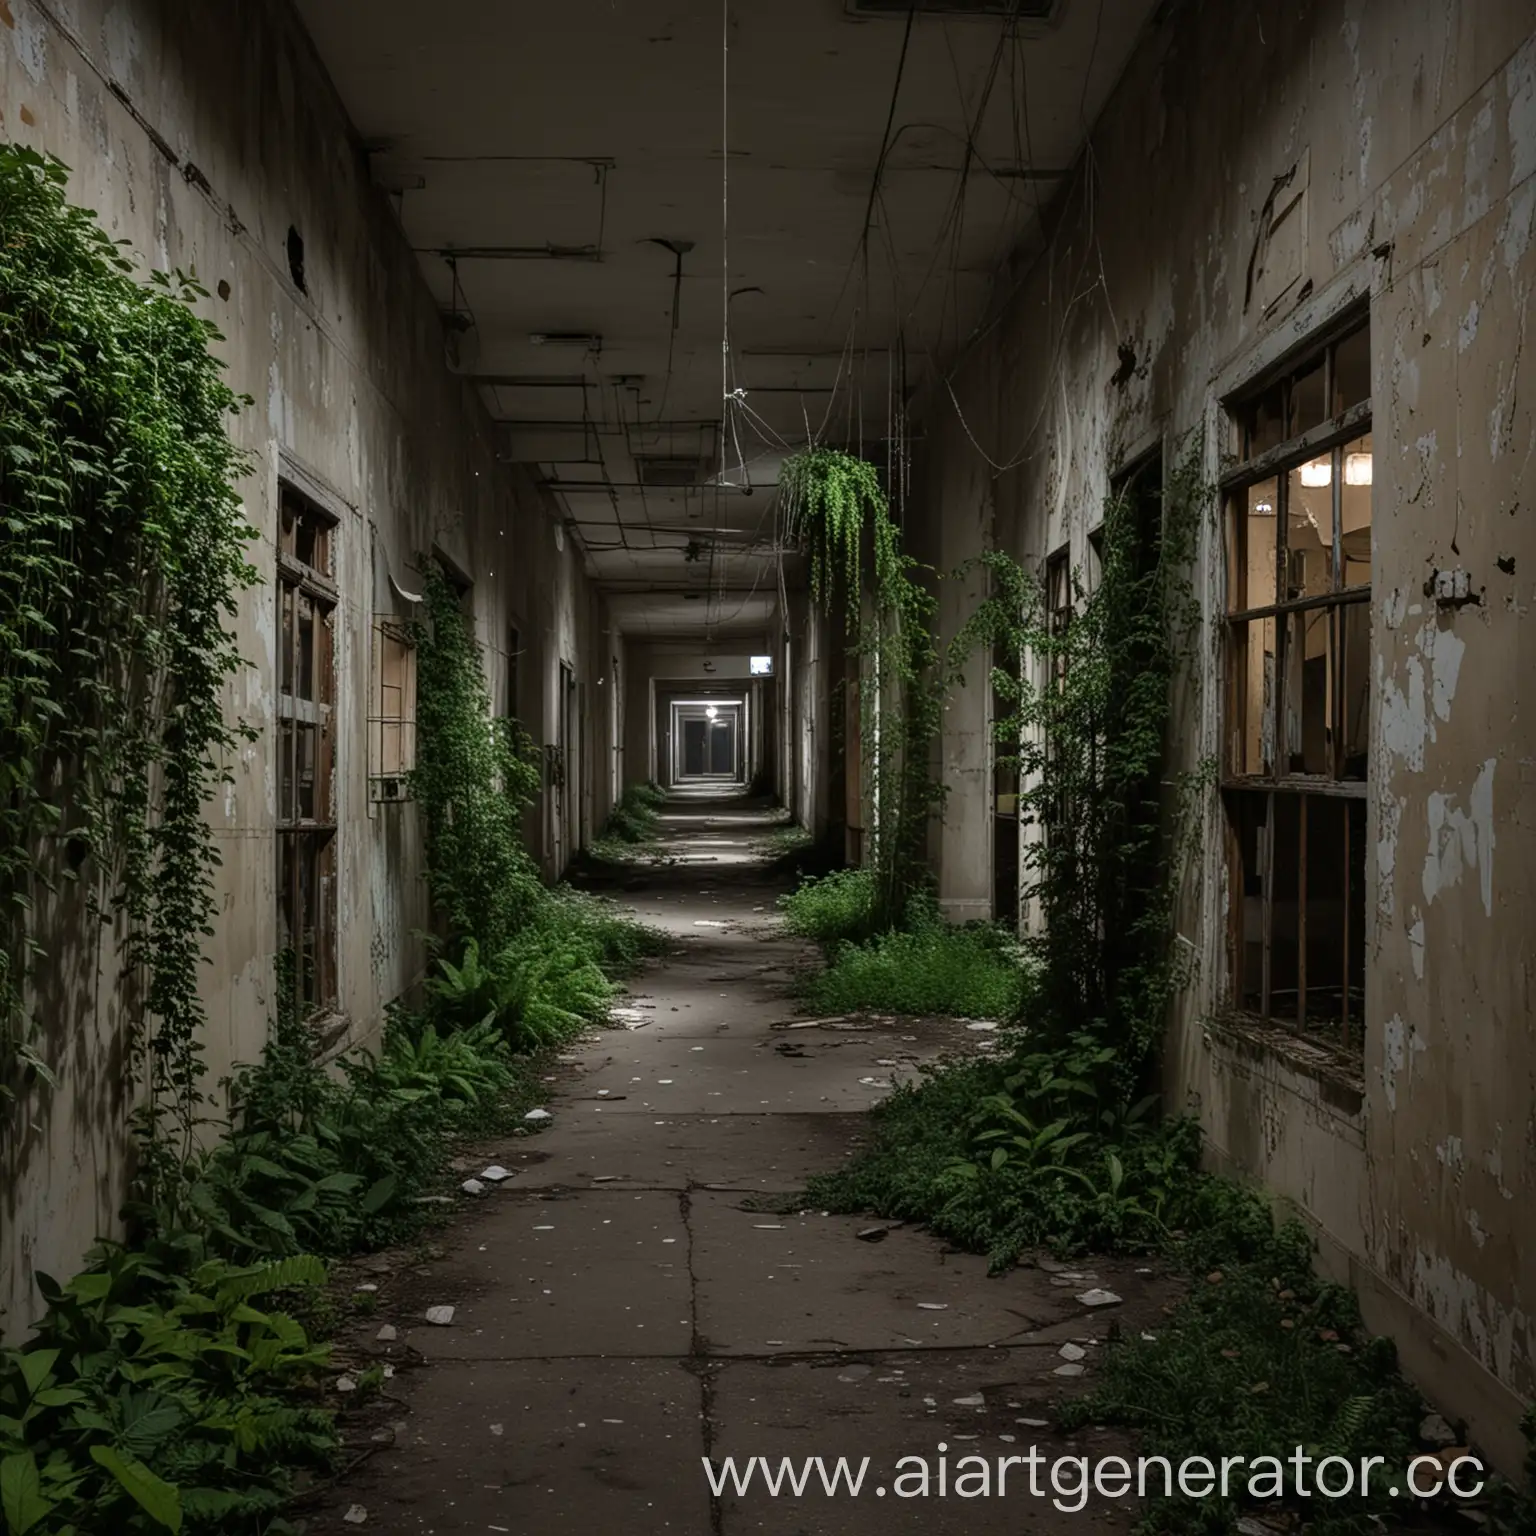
1357, 469
1317, 472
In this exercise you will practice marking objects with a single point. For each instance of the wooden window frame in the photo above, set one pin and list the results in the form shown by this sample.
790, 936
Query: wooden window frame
307, 834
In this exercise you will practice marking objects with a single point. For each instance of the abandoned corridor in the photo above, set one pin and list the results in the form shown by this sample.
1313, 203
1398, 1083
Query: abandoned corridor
635, 1299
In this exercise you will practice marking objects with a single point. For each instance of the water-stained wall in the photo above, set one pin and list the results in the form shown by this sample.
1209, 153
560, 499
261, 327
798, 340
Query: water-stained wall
203, 135
1403, 138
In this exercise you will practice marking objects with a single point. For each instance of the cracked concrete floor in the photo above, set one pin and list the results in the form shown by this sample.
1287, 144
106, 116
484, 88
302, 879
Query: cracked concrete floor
625, 1305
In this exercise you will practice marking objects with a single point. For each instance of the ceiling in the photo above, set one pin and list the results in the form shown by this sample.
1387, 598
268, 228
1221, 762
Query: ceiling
634, 181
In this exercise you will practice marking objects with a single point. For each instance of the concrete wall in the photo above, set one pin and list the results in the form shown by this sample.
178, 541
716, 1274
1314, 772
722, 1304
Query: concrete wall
1413, 125
201, 134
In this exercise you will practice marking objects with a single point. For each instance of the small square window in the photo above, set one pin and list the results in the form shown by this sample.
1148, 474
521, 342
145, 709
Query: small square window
762, 666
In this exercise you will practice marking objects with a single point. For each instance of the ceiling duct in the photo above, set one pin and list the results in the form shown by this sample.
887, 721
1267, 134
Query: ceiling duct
669, 471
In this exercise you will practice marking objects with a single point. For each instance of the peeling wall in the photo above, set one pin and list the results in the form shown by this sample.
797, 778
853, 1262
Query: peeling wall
201, 134
1408, 131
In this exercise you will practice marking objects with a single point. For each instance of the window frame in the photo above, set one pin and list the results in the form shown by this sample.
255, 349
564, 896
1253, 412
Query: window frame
1279, 785
307, 843
383, 786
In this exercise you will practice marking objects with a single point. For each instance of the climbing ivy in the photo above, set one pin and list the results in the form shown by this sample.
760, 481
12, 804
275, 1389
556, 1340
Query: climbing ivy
1087, 710
121, 563
837, 511
475, 776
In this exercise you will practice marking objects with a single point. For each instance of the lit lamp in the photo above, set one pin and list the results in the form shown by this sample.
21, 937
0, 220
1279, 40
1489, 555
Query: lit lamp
1357, 469
1317, 472
710, 711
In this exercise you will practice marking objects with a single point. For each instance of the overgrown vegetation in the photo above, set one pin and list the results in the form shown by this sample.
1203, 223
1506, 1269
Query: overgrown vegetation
636, 818
122, 557
1261, 1357
534, 962
155, 1399
1059, 1141
837, 510
172, 1386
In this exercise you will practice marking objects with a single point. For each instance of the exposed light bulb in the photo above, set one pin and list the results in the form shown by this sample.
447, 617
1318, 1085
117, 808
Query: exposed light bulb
1317, 472
1357, 469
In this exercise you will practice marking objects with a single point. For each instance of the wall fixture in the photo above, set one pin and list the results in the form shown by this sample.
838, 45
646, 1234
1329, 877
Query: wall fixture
762, 666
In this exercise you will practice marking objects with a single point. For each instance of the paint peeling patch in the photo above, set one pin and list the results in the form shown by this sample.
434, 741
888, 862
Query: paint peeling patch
1460, 840
1516, 227
1389, 821
1482, 147
1475, 1226
1416, 944
1466, 332
1450, 1154
1467, 1312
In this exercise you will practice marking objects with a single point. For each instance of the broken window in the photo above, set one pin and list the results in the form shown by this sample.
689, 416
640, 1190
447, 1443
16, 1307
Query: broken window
306, 814
1297, 528
391, 711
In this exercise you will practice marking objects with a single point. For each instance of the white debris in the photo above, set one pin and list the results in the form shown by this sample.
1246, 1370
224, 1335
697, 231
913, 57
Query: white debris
387, 1334
1034, 1423
496, 1174
767, 1226
537, 1115
934, 1306
472, 1187
1098, 1298
986, 1026
875, 1082
975, 1400
498, 1429
1071, 1351
356, 1515
707, 922
440, 1316
1068, 1370
1435, 1431
346, 1384
367, 1286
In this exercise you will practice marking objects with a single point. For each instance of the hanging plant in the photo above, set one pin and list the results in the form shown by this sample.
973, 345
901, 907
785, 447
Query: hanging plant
837, 511
121, 562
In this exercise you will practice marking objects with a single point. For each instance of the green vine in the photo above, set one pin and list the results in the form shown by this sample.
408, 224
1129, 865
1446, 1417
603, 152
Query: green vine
837, 511
122, 560
1088, 711
475, 776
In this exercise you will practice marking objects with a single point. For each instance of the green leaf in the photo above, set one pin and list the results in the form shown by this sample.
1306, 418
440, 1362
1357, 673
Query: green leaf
35, 1367
379, 1195
21, 1493
160, 1500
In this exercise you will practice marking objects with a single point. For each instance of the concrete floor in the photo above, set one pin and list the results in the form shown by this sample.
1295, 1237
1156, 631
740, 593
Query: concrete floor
630, 1301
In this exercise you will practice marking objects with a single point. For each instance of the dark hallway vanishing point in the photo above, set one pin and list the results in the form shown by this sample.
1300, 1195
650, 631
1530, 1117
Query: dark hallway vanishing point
1060, 468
